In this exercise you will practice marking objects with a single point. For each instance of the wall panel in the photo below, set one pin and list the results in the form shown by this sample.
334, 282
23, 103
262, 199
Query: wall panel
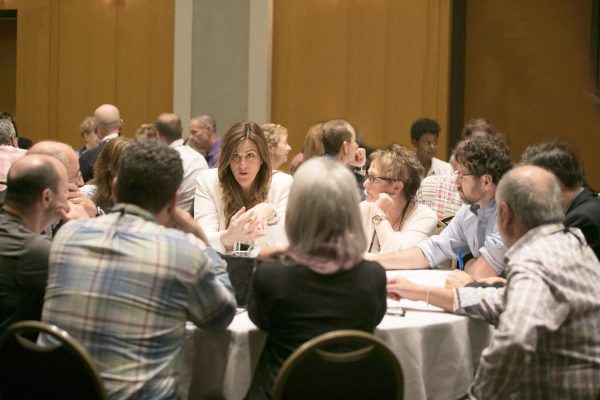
528, 69
86, 62
8, 66
75, 55
144, 61
380, 64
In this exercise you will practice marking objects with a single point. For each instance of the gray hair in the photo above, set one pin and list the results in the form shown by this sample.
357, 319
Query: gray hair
332, 229
535, 199
7, 132
206, 120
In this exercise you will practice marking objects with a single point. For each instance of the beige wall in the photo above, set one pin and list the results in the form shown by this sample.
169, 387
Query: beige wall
528, 71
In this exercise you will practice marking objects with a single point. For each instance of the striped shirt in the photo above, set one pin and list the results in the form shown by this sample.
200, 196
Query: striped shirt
8, 155
124, 287
547, 341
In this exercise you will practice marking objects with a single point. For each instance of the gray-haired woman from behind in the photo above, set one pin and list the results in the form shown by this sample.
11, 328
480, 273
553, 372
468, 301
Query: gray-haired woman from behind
320, 283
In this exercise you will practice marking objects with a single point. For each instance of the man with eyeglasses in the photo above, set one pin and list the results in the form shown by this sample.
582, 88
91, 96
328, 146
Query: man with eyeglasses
481, 164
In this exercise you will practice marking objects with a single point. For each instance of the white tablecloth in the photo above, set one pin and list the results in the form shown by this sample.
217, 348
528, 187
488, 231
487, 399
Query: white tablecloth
438, 351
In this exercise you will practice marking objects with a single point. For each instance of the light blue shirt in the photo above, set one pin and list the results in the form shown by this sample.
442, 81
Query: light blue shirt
473, 231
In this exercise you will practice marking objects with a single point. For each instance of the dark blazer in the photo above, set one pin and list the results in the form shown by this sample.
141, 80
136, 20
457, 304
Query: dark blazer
584, 213
87, 161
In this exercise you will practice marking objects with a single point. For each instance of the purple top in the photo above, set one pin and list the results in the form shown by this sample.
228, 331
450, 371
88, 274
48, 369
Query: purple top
213, 155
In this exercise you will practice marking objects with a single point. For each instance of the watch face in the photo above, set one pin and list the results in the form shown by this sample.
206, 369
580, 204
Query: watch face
377, 219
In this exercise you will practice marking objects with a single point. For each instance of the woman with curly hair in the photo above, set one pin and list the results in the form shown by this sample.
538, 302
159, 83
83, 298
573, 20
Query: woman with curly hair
277, 138
392, 219
243, 199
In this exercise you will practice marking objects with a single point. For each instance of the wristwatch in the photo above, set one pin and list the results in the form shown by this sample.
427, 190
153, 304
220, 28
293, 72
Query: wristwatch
376, 220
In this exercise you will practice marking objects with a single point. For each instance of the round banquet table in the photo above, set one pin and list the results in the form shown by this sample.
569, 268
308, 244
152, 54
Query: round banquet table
438, 351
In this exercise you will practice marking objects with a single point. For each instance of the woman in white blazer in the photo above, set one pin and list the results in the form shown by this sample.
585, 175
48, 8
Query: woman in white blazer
242, 201
392, 219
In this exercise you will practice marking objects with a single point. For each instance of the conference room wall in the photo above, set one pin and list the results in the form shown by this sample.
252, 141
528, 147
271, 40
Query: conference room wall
379, 64
528, 70
73, 55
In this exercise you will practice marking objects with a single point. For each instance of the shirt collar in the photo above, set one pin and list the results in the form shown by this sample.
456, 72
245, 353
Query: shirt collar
487, 210
132, 209
538, 231
176, 143
110, 137
566, 208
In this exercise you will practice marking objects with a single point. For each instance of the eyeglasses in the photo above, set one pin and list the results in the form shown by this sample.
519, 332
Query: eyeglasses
373, 178
461, 175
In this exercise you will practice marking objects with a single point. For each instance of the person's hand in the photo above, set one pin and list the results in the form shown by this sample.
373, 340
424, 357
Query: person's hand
182, 220
399, 288
386, 203
296, 161
271, 252
75, 196
457, 279
244, 227
75, 211
492, 280
360, 157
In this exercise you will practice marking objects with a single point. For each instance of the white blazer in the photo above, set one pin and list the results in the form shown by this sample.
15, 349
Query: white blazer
209, 210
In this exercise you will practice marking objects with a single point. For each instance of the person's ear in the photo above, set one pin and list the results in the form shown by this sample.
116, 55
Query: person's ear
345, 147
505, 215
46, 197
397, 188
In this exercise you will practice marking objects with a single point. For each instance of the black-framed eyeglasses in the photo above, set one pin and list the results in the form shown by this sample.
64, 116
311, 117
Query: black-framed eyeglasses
461, 175
373, 178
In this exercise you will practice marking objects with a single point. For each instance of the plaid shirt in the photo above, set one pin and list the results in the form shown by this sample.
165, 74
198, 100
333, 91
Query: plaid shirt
547, 341
8, 155
439, 193
124, 286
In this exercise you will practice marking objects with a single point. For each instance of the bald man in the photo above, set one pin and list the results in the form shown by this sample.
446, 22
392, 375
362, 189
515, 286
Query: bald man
204, 137
107, 125
81, 206
170, 130
546, 342
36, 197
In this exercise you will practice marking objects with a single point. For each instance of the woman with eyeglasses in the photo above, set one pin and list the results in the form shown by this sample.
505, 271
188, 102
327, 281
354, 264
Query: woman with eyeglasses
392, 219
242, 201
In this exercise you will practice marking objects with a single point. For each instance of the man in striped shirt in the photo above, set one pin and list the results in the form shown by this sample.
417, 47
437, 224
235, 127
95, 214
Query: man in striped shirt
125, 284
546, 343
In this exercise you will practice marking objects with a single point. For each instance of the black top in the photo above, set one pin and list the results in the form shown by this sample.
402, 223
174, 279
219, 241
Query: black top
584, 213
23, 271
294, 304
87, 161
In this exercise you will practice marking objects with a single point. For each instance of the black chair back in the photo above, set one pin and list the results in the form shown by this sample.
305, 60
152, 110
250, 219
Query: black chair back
29, 370
344, 364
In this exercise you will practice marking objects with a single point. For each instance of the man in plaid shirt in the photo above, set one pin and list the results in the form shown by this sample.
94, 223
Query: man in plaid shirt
124, 284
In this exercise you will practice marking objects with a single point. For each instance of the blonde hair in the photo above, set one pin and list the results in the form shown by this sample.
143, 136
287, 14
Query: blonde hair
313, 144
105, 170
87, 126
402, 165
146, 131
233, 198
274, 133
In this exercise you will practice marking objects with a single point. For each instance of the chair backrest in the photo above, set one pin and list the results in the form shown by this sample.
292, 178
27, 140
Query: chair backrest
62, 370
345, 364
240, 271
